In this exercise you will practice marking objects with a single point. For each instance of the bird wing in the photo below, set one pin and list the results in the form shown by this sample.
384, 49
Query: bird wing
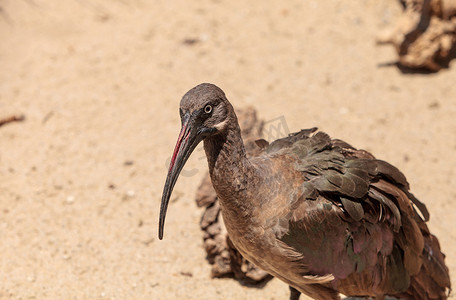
353, 215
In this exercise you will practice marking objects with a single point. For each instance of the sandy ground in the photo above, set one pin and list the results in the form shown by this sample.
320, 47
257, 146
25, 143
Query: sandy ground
99, 82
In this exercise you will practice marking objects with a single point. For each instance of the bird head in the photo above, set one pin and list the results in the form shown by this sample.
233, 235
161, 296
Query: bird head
204, 113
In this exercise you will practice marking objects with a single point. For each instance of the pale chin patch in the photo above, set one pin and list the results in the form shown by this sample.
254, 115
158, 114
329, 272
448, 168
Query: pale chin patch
221, 126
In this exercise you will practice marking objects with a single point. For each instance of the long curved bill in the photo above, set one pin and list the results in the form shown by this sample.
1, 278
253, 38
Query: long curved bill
185, 145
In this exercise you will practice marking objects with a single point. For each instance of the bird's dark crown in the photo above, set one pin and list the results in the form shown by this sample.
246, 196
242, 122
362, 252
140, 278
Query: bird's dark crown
201, 95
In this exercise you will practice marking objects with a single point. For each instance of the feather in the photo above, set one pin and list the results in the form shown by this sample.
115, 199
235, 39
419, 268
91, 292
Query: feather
421, 207
278, 145
322, 184
361, 173
434, 263
354, 209
361, 186
341, 144
400, 278
308, 191
384, 200
402, 199
262, 143
365, 164
392, 173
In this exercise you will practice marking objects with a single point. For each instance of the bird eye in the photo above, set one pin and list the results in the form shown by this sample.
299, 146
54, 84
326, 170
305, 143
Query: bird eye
208, 109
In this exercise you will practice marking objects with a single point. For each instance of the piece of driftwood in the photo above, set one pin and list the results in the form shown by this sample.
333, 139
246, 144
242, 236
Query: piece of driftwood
425, 35
226, 261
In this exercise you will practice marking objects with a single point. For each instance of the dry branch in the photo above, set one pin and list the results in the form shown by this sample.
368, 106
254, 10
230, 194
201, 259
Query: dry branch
10, 119
425, 35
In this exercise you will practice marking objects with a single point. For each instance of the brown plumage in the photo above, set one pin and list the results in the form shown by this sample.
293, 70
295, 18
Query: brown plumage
315, 212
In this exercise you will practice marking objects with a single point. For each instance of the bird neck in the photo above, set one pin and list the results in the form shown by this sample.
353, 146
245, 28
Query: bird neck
230, 170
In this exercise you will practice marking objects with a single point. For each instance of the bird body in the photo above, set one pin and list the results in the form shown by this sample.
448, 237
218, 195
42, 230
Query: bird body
315, 212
